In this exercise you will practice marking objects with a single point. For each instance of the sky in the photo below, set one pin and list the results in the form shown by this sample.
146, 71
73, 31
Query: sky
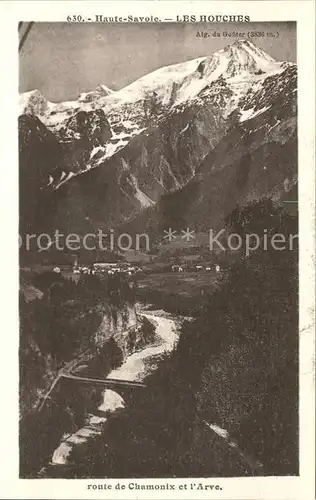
62, 60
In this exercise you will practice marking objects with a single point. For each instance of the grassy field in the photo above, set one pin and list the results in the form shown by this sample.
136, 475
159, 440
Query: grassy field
180, 293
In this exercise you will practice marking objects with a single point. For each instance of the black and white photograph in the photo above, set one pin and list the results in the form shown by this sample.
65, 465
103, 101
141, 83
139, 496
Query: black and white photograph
158, 249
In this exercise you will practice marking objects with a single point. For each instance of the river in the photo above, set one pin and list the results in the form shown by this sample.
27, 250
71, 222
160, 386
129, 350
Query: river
136, 367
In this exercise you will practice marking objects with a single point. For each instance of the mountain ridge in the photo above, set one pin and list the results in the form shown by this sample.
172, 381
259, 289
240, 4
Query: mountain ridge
121, 152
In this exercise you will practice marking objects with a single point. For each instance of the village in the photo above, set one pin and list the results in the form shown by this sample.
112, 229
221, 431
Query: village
110, 268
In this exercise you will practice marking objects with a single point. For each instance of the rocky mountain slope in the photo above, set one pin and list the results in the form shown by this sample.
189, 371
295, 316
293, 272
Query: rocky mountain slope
256, 157
205, 134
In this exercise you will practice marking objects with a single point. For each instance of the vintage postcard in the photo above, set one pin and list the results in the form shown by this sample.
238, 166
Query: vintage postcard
159, 332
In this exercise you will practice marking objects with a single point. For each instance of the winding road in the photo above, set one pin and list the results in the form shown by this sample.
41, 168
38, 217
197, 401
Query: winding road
131, 373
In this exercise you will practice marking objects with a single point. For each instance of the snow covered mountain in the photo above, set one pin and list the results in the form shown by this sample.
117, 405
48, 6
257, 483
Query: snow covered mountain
173, 87
130, 147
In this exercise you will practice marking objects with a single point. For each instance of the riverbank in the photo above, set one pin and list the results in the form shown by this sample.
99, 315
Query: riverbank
136, 367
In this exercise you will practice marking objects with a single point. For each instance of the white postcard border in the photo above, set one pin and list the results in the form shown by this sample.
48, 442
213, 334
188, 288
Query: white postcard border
232, 488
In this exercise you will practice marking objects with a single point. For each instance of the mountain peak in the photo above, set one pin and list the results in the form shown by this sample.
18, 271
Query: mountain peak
240, 58
104, 90
33, 102
252, 49
101, 91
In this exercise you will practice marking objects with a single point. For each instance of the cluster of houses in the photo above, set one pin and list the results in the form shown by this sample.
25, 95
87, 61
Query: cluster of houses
177, 264
177, 268
193, 263
185, 264
108, 268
